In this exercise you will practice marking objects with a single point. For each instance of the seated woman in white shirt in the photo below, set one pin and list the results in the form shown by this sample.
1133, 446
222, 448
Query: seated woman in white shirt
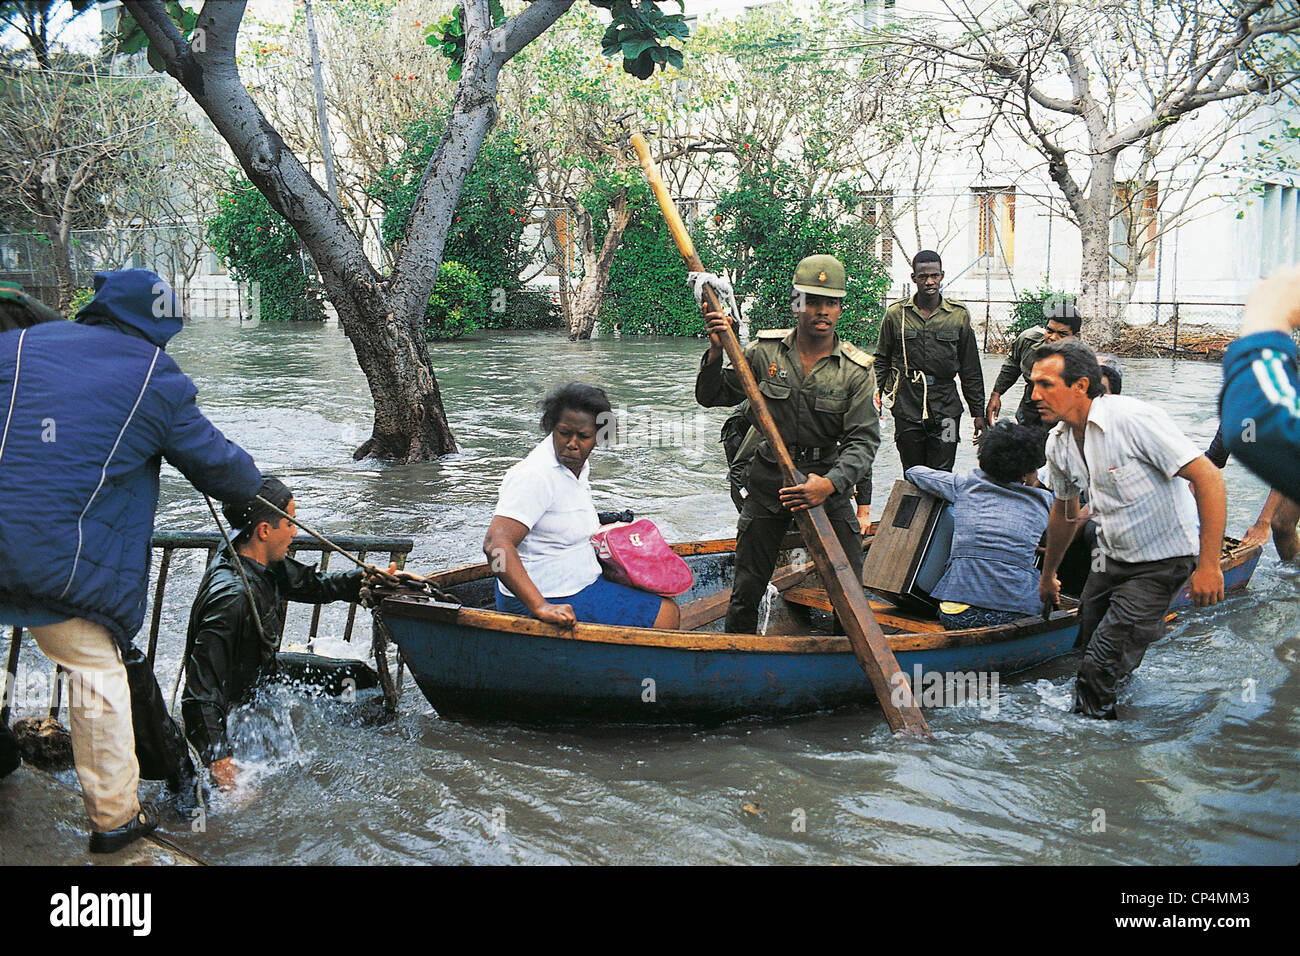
539, 541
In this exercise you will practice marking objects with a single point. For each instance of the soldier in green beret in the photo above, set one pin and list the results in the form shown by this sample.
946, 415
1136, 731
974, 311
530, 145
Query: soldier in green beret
925, 342
820, 392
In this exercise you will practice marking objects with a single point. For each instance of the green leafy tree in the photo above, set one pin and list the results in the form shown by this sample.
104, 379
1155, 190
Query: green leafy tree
257, 245
490, 217
764, 227
566, 102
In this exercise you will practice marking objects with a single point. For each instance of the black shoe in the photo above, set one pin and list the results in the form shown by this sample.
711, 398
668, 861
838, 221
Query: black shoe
10, 755
113, 840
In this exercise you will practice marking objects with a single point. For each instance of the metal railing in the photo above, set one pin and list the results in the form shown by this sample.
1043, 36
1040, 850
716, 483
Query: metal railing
170, 542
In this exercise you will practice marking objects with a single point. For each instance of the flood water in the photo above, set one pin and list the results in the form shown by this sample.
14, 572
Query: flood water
1202, 768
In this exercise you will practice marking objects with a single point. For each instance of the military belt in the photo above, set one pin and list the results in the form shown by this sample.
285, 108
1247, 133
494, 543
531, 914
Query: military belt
806, 453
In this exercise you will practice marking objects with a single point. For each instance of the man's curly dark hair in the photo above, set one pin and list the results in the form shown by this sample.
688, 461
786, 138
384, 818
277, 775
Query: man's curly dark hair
575, 396
1009, 451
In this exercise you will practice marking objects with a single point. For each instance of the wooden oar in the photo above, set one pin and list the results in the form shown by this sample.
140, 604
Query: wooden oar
847, 596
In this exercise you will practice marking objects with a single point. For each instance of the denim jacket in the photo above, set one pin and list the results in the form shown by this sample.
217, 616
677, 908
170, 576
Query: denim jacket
996, 528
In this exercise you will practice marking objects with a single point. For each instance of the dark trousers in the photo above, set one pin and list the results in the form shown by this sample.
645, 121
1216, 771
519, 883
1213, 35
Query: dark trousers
922, 443
762, 525
1121, 613
1027, 414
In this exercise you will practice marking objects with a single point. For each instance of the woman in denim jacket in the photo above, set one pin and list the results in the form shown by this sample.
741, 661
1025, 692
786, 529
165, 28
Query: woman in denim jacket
999, 516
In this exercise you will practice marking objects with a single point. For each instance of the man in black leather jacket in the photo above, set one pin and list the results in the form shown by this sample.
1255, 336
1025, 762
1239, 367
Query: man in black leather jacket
228, 647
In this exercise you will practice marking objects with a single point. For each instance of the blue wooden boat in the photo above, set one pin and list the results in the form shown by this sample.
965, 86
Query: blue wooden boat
473, 661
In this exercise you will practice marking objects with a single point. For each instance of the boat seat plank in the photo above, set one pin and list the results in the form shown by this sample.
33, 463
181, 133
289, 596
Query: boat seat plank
885, 613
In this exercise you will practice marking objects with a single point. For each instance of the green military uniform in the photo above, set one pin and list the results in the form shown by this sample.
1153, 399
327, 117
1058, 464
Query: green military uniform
1020, 362
829, 423
740, 440
18, 310
917, 360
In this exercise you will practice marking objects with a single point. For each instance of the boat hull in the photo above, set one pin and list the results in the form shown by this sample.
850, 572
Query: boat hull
476, 671
472, 661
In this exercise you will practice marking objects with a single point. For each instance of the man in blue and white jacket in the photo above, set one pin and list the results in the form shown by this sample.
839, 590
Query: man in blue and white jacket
87, 411
1260, 401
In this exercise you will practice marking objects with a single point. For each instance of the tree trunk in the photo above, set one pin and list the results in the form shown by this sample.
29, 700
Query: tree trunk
61, 258
410, 424
1094, 212
596, 266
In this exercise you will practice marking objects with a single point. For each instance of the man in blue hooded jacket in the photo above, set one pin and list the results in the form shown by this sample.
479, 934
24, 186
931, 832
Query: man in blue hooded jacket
87, 412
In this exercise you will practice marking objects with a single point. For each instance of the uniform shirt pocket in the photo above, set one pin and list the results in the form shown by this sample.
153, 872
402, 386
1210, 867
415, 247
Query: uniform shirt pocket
774, 390
835, 405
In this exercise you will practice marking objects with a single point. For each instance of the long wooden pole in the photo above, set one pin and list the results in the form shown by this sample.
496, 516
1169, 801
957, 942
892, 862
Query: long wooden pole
843, 587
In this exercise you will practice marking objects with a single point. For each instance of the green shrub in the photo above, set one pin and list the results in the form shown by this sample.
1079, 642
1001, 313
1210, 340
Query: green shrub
458, 304
80, 299
648, 293
258, 245
1028, 309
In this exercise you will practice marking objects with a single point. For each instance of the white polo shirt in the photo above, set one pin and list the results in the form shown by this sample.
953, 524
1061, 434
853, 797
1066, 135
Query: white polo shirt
542, 493
1132, 452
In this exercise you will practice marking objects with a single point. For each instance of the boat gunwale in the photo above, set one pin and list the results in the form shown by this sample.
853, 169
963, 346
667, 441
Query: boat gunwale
423, 607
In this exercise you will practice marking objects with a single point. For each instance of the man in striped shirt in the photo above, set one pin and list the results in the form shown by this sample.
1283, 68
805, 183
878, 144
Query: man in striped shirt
1152, 532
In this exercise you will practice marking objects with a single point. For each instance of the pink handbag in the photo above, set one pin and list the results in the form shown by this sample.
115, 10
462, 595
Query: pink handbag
637, 555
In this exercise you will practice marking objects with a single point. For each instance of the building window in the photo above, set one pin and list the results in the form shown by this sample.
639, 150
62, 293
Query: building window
1135, 221
995, 227
878, 214
1279, 231
876, 13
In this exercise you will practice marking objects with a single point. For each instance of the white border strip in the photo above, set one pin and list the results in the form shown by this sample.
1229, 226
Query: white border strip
103, 472
13, 395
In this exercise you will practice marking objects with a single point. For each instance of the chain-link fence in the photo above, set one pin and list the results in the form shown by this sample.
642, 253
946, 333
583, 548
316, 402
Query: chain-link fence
178, 252
1147, 328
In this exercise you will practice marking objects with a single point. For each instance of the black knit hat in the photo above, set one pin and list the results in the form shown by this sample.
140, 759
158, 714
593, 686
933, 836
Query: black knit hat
248, 514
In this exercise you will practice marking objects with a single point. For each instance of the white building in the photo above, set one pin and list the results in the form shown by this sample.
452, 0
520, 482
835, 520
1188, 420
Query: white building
998, 221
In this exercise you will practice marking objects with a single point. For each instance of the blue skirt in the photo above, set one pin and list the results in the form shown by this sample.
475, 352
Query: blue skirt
601, 602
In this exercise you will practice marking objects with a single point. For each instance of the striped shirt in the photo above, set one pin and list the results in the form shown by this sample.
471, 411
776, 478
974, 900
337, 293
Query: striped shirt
1132, 452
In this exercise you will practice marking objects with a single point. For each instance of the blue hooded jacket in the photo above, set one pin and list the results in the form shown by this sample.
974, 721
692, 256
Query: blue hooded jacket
87, 412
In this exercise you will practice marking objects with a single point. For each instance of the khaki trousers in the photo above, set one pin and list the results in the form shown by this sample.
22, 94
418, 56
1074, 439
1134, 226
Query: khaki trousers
99, 707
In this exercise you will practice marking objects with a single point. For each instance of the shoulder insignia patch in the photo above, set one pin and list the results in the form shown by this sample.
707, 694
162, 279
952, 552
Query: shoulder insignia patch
773, 333
856, 355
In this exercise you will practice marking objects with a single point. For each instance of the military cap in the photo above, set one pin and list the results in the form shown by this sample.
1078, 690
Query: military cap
820, 275
18, 310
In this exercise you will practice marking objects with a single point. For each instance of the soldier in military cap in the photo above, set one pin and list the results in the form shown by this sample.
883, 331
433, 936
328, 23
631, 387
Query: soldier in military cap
18, 310
820, 391
1063, 321
925, 342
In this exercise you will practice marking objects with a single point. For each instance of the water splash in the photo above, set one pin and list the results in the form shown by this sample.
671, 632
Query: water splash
765, 607
1058, 697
